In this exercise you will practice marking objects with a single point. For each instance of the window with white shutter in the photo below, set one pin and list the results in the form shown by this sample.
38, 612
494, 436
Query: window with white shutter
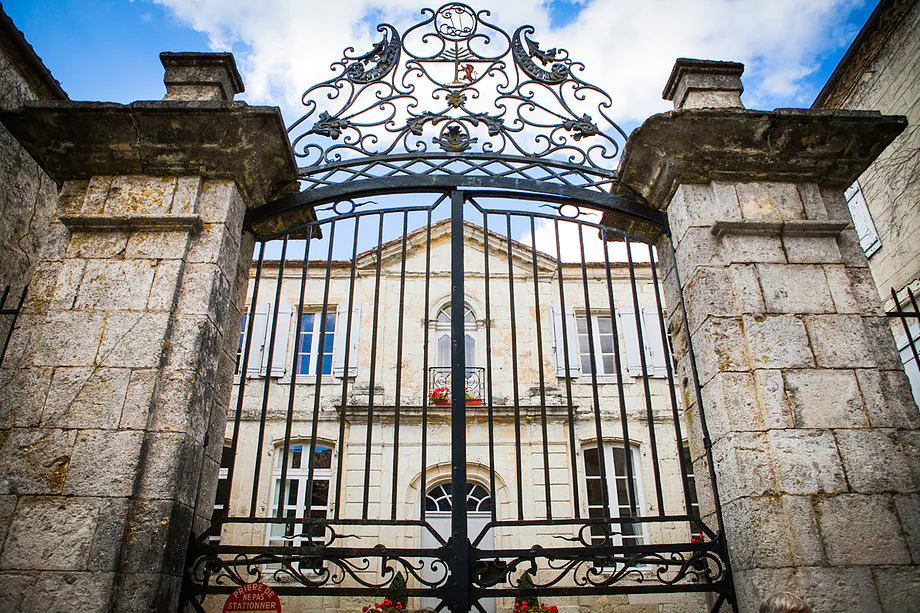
862, 220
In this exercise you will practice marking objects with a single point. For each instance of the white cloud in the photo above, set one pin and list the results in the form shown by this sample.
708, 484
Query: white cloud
571, 238
284, 46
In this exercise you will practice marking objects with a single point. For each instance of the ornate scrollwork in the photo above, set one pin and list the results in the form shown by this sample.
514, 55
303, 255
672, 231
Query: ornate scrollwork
601, 567
459, 83
525, 49
374, 569
384, 55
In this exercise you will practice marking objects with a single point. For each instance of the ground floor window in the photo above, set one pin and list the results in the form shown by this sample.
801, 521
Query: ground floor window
614, 456
293, 497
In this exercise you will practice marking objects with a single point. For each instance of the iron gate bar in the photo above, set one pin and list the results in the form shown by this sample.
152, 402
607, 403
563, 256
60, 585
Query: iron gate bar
599, 178
540, 375
653, 441
460, 598
903, 315
568, 368
666, 346
592, 360
618, 365
514, 377
399, 359
344, 398
267, 384
14, 312
520, 188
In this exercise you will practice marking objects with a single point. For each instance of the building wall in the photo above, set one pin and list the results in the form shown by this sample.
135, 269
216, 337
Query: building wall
885, 76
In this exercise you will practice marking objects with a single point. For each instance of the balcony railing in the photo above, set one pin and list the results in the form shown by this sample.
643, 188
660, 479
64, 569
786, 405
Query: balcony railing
439, 376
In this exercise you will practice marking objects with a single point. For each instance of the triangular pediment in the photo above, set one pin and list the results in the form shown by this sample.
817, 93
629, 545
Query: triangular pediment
417, 253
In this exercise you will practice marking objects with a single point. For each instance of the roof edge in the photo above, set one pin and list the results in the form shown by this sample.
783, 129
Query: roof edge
40, 74
844, 64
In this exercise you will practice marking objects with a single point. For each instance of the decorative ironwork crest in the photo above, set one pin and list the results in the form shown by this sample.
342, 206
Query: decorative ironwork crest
457, 83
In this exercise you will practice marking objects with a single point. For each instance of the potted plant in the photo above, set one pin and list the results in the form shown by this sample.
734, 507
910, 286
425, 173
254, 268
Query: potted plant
440, 396
387, 606
472, 401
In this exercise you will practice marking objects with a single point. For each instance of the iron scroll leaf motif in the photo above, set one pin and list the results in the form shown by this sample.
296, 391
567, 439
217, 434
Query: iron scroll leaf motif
458, 84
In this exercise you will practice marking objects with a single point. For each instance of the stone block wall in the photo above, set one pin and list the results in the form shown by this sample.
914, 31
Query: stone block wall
115, 388
814, 436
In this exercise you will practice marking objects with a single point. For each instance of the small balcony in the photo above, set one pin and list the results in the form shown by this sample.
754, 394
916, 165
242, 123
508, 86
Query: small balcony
475, 384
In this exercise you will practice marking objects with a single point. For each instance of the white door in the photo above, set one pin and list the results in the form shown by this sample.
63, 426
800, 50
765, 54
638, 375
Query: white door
437, 514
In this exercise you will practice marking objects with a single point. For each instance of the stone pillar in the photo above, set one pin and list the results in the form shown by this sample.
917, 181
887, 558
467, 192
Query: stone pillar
116, 382
814, 437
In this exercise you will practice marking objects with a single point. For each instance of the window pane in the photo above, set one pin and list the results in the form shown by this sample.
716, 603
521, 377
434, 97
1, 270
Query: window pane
595, 492
296, 456
327, 364
293, 486
603, 325
320, 493
304, 365
606, 344
608, 364
323, 457
582, 325
592, 466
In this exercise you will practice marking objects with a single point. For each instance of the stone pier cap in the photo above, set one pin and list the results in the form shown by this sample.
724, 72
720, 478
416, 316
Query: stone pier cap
213, 139
829, 148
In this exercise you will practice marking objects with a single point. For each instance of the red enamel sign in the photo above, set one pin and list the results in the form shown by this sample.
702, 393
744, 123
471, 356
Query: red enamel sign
254, 598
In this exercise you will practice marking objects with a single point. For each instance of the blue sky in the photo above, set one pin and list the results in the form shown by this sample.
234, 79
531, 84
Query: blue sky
108, 49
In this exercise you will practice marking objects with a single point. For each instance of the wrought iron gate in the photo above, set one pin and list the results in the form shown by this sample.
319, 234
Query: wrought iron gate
524, 277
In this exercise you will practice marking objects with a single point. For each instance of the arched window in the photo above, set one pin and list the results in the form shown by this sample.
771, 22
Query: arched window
442, 342
439, 499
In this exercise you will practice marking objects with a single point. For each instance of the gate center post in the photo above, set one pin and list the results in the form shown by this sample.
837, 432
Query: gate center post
460, 564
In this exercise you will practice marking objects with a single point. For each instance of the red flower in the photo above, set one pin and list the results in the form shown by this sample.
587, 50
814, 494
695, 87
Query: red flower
365, 608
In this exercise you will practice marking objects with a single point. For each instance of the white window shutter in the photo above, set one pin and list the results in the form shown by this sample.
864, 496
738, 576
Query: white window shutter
558, 338
654, 347
257, 342
279, 354
631, 336
557, 342
341, 321
862, 220
571, 329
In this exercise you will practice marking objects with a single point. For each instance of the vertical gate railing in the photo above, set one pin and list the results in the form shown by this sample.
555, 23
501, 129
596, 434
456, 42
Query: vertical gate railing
10, 306
908, 312
335, 444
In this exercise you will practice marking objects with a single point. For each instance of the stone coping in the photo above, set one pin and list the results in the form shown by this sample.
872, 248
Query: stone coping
829, 148
134, 223
211, 139
799, 227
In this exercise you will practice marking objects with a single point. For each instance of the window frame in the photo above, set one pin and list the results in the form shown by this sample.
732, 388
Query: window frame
314, 354
613, 476
300, 475
602, 377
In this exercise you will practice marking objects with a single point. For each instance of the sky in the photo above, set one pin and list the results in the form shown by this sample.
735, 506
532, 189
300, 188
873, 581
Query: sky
109, 49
